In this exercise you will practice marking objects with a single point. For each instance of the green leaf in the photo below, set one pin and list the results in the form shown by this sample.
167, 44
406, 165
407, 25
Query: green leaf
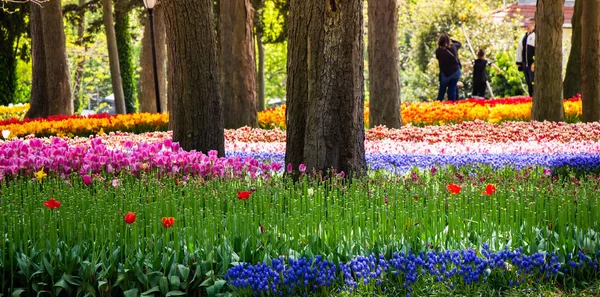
62, 285
151, 291
184, 271
17, 292
48, 267
216, 288
73, 280
131, 293
164, 285
175, 293
175, 282
207, 282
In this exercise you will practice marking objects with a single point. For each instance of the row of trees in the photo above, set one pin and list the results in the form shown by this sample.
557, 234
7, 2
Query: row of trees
212, 72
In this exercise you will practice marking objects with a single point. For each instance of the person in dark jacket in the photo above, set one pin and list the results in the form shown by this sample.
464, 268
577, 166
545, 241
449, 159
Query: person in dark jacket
450, 67
526, 54
479, 74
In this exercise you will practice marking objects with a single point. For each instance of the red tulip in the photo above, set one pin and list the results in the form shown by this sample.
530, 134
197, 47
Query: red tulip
490, 189
87, 180
52, 204
130, 218
244, 195
454, 189
168, 222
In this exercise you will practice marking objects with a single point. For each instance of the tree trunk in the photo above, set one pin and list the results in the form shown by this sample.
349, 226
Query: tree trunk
384, 64
590, 58
113, 57
38, 104
325, 94
548, 100
572, 84
261, 71
126, 66
194, 76
238, 68
57, 67
148, 94
79, 68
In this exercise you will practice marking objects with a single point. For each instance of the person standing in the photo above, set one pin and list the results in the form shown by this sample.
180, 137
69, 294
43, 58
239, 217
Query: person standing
450, 67
526, 54
479, 74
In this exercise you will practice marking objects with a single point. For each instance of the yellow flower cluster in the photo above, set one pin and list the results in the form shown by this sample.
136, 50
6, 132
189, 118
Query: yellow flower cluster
137, 123
13, 111
439, 113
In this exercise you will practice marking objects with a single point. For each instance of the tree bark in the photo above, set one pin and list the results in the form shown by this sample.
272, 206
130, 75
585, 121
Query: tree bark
124, 48
572, 83
238, 67
113, 57
38, 104
57, 67
81, 59
325, 94
148, 95
194, 76
548, 93
384, 64
260, 77
590, 58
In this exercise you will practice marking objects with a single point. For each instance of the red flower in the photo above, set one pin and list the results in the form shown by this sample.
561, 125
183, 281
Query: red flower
130, 218
87, 180
244, 195
168, 222
454, 189
490, 189
52, 204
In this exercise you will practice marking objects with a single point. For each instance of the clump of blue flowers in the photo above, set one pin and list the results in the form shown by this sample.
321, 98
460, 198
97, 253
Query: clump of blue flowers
304, 276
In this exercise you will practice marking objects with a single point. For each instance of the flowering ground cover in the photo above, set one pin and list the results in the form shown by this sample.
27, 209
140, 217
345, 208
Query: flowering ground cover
444, 113
470, 209
416, 114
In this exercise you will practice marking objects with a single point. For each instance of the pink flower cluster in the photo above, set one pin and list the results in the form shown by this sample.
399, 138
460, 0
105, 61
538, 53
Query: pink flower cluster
24, 157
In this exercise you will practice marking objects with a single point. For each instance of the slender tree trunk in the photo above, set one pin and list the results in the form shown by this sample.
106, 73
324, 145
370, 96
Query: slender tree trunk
81, 59
260, 77
113, 57
238, 68
325, 86
148, 94
38, 104
57, 67
124, 48
194, 75
572, 84
590, 58
384, 64
548, 94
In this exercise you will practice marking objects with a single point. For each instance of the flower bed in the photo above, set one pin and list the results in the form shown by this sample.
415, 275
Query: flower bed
444, 113
470, 208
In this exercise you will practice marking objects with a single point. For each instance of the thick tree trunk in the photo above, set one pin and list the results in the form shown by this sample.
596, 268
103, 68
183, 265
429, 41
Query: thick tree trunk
590, 58
57, 66
113, 57
194, 76
148, 94
126, 66
384, 64
572, 84
81, 59
325, 86
38, 104
260, 77
548, 94
238, 67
